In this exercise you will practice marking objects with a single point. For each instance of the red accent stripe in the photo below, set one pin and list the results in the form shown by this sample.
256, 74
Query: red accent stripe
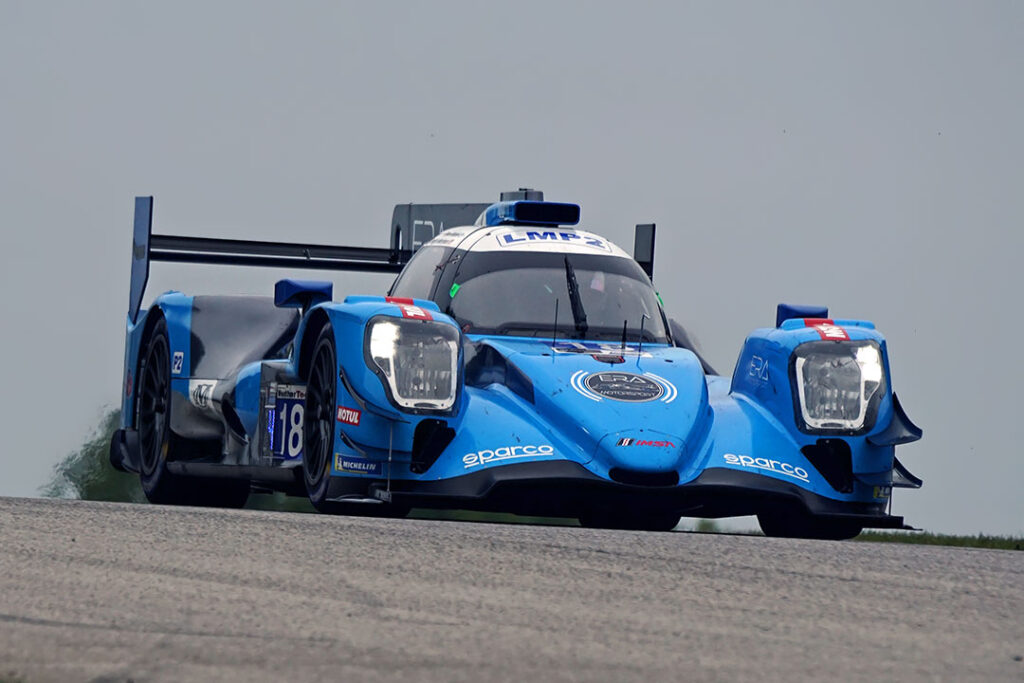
398, 300
827, 329
415, 312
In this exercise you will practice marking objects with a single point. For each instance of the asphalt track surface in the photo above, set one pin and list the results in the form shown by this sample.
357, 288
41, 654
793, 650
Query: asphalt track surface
111, 592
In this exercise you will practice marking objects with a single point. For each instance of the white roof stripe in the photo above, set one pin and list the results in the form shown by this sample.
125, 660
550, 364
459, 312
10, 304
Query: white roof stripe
526, 238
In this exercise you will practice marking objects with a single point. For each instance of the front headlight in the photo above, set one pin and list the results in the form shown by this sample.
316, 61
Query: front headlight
416, 360
838, 385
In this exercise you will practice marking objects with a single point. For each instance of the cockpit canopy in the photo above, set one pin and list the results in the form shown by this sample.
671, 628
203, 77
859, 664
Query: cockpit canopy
522, 293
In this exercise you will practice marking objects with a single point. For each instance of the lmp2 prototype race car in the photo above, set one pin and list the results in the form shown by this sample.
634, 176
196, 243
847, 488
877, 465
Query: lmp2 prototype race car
518, 364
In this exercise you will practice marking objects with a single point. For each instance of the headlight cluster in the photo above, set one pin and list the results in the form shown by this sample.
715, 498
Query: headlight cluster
838, 385
417, 361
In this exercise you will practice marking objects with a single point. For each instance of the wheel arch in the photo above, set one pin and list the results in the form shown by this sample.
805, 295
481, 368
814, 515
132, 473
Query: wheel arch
154, 315
318, 319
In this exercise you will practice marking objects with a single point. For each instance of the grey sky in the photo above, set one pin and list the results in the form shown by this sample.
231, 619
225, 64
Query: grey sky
866, 156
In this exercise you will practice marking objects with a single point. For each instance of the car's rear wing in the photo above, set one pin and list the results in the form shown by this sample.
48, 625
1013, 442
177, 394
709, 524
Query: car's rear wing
147, 247
412, 226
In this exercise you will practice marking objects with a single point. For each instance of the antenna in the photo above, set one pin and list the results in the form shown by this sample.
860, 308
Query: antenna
554, 328
643, 319
624, 335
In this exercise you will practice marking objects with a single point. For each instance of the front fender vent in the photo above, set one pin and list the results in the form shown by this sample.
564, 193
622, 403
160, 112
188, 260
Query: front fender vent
485, 366
833, 459
428, 442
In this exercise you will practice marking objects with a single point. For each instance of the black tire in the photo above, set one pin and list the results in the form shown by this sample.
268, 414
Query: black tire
632, 521
793, 524
157, 443
152, 417
318, 420
318, 435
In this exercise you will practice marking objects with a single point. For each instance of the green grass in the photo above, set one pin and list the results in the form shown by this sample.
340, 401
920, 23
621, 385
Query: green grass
928, 538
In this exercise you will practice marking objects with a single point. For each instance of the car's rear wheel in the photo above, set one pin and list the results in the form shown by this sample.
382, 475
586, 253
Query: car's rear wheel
634, 521
797, 524
157, 443
153, 416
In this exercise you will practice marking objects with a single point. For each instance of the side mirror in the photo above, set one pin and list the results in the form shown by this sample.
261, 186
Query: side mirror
302, 294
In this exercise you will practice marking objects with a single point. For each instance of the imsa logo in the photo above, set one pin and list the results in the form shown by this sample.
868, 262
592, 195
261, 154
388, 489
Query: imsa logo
645, 442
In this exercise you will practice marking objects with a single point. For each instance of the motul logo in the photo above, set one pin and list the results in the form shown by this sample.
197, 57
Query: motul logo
644, 442
349, 416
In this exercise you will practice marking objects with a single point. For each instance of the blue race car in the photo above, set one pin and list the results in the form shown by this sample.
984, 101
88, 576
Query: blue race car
518, 364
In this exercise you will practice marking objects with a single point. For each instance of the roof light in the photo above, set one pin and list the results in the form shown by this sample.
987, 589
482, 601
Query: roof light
530, 213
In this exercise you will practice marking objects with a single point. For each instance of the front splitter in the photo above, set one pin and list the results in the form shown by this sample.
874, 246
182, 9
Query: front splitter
564, 489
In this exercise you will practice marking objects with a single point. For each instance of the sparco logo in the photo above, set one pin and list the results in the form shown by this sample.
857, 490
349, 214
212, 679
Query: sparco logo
486, 456
776, 466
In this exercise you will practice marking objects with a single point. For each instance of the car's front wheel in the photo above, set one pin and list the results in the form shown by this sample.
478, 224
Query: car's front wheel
318, 421
318, 436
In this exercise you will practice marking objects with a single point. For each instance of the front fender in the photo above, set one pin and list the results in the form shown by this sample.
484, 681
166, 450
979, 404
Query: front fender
763, 378
366, 415
176, 309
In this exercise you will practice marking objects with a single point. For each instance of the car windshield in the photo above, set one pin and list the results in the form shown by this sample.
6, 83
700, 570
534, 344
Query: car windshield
516, 294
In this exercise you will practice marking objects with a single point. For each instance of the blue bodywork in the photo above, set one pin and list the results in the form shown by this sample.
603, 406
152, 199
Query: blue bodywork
527, 413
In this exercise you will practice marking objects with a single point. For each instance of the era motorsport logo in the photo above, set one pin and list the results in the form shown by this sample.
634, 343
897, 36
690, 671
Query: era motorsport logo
776, 466
487, 456
627, 387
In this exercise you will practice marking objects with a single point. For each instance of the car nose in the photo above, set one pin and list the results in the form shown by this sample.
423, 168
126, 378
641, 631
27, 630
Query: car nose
642, 450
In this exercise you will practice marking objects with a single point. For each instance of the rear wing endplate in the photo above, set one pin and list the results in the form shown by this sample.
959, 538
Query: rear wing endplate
147, 247
643, 247
413, 225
